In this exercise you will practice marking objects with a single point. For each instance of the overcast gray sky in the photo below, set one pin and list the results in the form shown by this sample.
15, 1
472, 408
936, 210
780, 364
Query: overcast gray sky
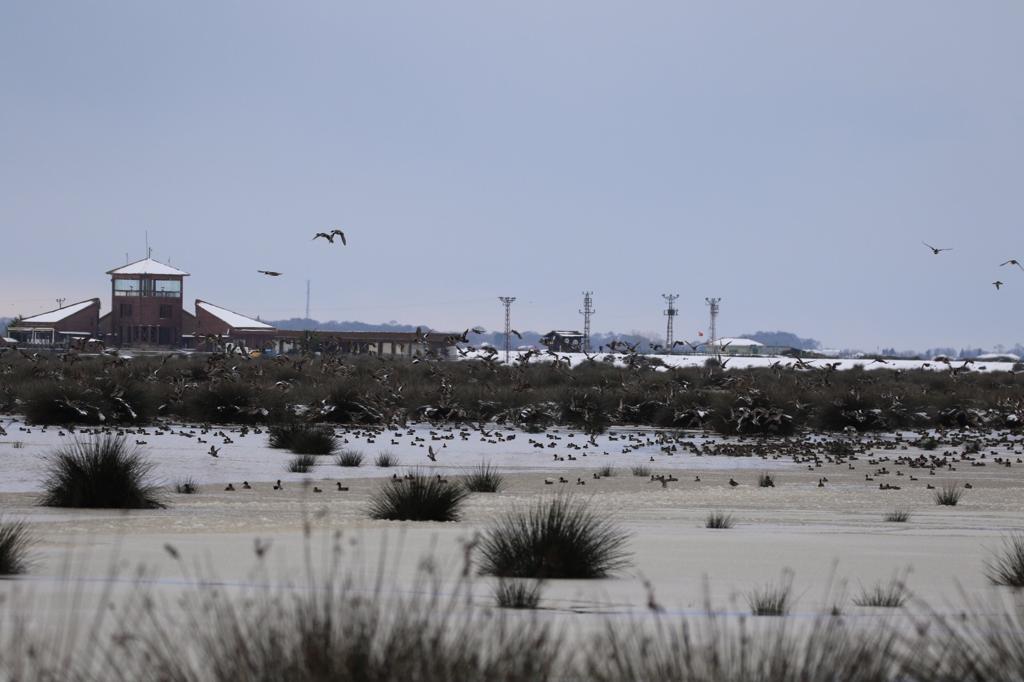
786, 156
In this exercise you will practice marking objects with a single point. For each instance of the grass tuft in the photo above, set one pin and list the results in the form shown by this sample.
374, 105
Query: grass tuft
385, 459
891, 595
641, 470
766, 480
483, 478
186, 486
15, 542
772, 600
349, 458
949, 495
518, 594
606, 471
898, 515
717, 519
303, 439
301, 464
559, 537
1007, 567
418, 497
101, 473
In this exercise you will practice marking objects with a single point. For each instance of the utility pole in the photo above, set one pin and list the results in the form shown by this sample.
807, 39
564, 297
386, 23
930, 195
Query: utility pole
307, 299
713, 306
60, 302
588, 310
670, 313
507, 302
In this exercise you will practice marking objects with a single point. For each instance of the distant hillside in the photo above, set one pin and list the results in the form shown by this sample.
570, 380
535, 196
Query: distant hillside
786, 339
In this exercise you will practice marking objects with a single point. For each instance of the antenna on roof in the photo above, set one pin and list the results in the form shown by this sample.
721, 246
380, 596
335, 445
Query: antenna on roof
149, 251
307, 299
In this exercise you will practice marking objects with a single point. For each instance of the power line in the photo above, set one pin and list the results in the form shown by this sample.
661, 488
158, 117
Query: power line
670, 314
588, 310
507, 302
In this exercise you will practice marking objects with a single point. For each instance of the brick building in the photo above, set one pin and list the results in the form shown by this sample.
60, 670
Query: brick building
58, 327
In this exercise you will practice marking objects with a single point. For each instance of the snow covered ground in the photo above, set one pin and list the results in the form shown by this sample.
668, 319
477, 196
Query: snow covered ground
24, 450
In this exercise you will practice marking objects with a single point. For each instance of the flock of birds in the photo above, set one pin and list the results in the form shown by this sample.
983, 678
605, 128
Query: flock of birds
998, 284
329, 236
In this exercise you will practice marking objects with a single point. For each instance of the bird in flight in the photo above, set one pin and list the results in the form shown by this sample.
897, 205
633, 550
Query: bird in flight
935, 250
997, 284
270, 273
1012, 261
330, 236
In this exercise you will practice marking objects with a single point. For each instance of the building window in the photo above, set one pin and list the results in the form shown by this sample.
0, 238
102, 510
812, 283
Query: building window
164, 287
126, 310
165, 311
126, 287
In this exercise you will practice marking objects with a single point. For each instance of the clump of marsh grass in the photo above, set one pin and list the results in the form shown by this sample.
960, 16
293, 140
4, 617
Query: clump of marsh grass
385, 459
890, 595
303, 439
186, 486
898, 515
483, 478
558, 537
1007, 567
301, 464
772, 600
766, 480
101, 472
349, 458
517, 594
641, 470
717, 519
949, 495
417, 497
606, 471
15, 542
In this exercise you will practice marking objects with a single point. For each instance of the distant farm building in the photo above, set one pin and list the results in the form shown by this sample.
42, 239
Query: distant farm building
146, 304
738, 346
58, 327
563, 341
214, 322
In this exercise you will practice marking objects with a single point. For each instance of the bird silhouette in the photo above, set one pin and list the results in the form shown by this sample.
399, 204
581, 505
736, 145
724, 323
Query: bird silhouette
935, 250
431, 455
331, 235
997, 284
1012, 261
270, 273
213, 451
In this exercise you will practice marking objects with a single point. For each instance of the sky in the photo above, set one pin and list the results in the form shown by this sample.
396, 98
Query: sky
788, 157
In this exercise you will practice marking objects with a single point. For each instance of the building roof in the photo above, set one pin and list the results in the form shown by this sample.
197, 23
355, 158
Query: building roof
232, 319
557, 332
147, 266
54, 316
738, 342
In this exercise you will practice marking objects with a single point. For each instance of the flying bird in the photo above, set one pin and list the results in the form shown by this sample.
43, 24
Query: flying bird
330, 236
997, 284
1012, 261
935, 250
270, 273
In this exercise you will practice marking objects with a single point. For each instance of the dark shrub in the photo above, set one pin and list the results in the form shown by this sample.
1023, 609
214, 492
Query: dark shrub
560, 537
1007, 568
641, 470
103, 472
766, 481
898, 515
605, 472
772, 600
349, 458
303, 439
517, 594
15, 542
417, 497
483, 479
301, 464
281, 436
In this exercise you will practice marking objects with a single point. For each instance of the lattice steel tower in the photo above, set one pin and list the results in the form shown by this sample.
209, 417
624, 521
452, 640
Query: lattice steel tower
588, 310
507, 302
713, 306
670, 313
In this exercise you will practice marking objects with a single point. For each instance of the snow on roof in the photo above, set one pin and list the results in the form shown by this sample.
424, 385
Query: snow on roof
738, 342
146, 266
57, 315
230, 318
565, 332
999, 356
